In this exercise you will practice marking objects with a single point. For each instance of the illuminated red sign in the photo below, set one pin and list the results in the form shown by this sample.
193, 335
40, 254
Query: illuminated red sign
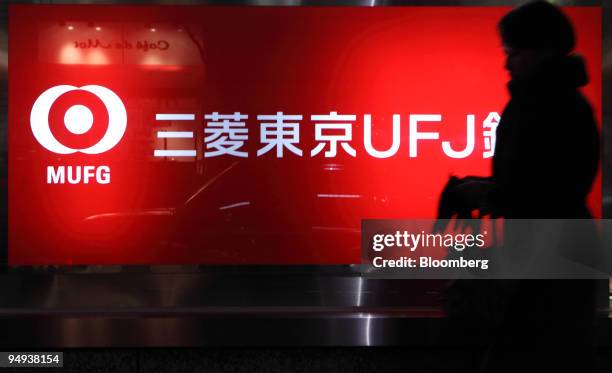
175, 134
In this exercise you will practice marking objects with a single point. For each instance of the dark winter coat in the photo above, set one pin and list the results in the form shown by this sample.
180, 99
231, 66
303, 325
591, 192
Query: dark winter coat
547, 149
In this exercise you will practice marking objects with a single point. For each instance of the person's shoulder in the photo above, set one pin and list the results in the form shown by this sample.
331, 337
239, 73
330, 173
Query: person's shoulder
570, 104
577, 108
582, 103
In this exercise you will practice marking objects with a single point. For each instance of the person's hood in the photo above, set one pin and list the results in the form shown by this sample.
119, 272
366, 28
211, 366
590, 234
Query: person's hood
555, 76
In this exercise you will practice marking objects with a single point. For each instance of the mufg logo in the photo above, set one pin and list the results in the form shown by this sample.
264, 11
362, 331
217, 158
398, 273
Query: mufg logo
78, 119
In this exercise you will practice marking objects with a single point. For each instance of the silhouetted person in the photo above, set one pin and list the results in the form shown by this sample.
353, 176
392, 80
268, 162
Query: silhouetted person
545, 162
547, 149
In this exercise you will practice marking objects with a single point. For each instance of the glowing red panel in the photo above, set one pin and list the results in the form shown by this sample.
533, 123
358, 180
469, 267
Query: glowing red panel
126, 162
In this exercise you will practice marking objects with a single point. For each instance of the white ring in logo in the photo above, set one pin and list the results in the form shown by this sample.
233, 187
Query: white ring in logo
39, 119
